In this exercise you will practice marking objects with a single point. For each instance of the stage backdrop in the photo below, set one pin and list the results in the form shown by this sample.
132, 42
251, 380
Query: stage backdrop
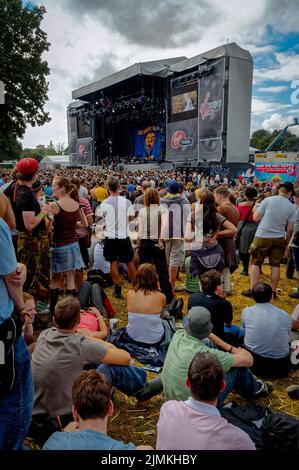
275, 172
148, 143
210, 116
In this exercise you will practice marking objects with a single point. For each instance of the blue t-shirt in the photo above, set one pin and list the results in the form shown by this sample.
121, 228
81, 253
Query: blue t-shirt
8, 264
131, 188
267, 330
84, 440
48, 191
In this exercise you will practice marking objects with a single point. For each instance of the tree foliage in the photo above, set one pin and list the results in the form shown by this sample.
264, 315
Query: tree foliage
261, 139
23, 69
10, 148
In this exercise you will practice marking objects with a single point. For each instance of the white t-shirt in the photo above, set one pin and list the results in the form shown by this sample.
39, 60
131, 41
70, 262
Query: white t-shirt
276, 212
116, 211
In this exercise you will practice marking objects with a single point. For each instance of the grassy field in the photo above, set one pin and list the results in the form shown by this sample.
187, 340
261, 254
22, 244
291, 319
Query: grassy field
133, 422
137, 422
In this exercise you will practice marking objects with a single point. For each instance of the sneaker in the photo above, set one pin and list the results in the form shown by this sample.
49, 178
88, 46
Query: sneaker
244, 273
152, 388
293, 391
265, 390
117, 291
247, 293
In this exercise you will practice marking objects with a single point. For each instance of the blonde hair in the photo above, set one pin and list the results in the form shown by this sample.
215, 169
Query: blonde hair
27, 296
199, 193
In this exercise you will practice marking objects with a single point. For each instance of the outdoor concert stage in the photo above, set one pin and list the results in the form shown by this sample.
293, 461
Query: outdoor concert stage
188, 112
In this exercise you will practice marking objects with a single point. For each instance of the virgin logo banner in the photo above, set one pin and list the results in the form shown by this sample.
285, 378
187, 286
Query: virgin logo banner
182, 141
210, 116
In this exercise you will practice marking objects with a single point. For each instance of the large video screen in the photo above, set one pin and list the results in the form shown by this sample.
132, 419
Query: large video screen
184, 102
84, 129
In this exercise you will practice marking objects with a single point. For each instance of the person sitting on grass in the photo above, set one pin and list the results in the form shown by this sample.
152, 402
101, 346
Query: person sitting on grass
92, 324
267, 334
234, 361
28, 314
201, 425
61, 354
92, 407
211, 297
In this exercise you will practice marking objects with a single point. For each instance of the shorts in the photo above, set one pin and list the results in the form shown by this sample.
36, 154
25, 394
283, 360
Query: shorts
175, 253
118, 249
274, 248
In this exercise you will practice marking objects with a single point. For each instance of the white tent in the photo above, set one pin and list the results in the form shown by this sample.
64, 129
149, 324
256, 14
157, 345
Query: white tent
56, 161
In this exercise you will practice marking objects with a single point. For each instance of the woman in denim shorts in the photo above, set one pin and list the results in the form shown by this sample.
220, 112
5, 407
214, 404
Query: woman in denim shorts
65, 251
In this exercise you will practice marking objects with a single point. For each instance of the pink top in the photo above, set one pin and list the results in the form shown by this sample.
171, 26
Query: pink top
88, 321
200, 428
243, 210
85, 205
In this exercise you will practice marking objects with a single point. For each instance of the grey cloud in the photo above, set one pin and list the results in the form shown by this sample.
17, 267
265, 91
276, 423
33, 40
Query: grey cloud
150, 23
101, 70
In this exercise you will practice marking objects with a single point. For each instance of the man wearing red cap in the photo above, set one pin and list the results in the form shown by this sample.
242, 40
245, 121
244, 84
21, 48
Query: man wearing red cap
33, 243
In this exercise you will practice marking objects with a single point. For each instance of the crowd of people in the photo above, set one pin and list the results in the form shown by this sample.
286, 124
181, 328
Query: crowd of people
68, 234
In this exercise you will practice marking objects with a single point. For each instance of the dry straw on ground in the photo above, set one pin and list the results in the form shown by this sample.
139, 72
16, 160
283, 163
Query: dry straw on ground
133, 422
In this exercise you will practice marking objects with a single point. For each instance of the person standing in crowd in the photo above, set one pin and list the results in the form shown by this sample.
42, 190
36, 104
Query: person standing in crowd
6, 212
267, 334
92, 407
174, 230
65, 252
229, 211
82, 229
201, 426
117, 211
100, 193
246, 227
276, 217
202, 230
151, 246
294, 245
139, 201
33, 241
16, 390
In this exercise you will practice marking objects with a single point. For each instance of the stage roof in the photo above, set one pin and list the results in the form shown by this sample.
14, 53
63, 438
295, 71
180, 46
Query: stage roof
226, 50
163, 68
156, 68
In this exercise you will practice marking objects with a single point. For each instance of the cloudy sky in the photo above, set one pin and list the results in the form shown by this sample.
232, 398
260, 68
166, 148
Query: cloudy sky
93, 38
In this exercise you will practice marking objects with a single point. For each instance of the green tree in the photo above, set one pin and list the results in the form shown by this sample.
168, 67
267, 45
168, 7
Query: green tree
33, 153
10, 148
259, 138
287, 143
23, 70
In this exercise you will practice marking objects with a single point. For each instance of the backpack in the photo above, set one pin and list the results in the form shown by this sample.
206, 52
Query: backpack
280, 432
205, 259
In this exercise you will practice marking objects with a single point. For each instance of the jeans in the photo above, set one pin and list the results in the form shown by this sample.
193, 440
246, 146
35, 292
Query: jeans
16, 406
295, 255
127, 379
239, 379
90, 295
150, 253
242, 381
